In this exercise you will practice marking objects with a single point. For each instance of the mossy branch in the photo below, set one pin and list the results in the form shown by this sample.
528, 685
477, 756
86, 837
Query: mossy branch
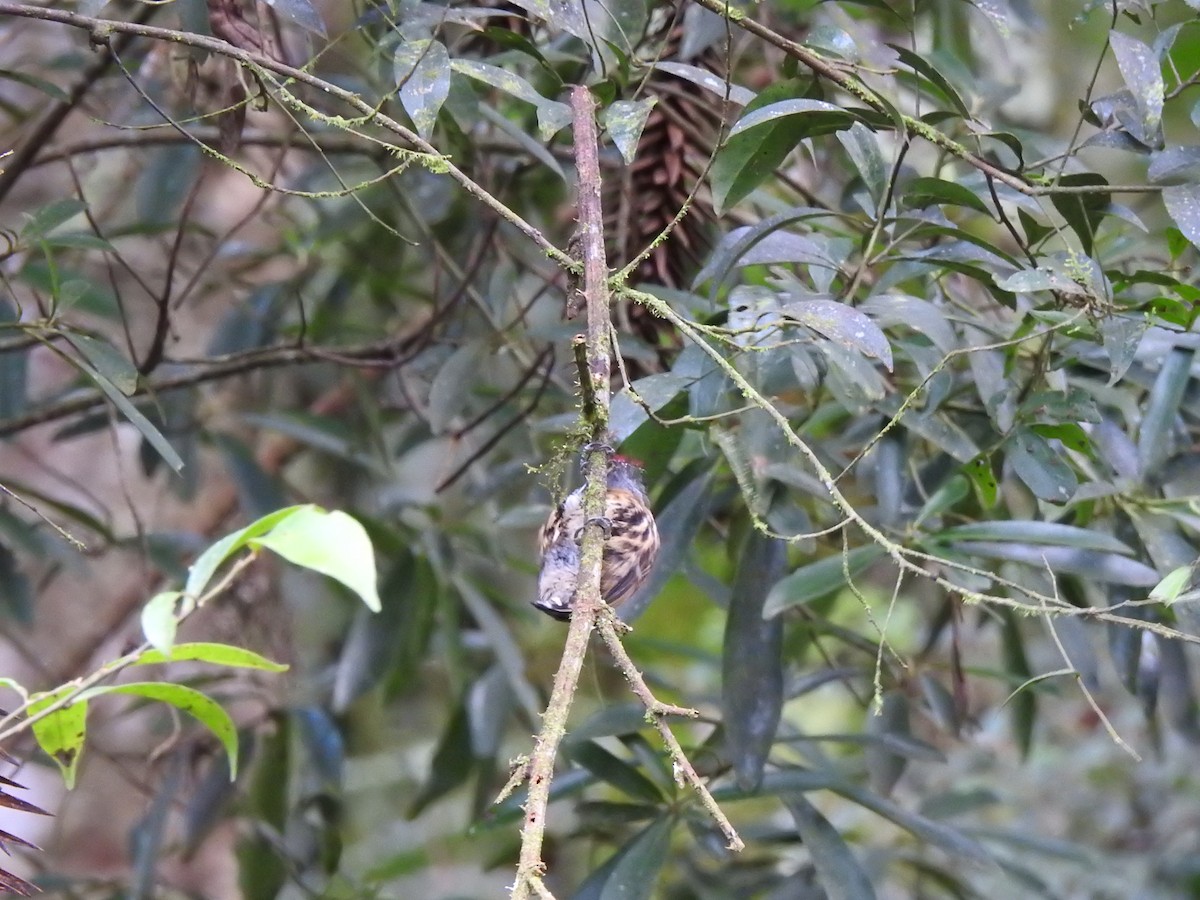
593, 355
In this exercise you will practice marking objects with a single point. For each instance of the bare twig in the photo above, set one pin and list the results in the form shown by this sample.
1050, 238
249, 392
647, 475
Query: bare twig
383, 354
44, 129
101, 33
685, 772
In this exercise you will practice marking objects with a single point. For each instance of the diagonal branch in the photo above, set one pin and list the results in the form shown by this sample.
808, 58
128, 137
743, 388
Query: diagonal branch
101, 33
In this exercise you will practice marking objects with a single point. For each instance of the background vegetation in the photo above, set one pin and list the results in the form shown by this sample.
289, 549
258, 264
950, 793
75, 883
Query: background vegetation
904, 305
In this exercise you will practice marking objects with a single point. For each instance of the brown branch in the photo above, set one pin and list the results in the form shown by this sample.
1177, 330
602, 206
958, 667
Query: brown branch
685, 772
589, 611
102, 31
588, 606
838, 75
43, 130
383, 354
210, 136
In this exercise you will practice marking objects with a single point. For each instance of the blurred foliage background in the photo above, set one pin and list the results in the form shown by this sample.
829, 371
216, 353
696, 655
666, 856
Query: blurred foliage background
935, 256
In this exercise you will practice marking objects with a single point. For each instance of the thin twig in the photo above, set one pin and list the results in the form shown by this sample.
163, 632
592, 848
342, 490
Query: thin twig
384, 354
10, 728
102, 30
685, 772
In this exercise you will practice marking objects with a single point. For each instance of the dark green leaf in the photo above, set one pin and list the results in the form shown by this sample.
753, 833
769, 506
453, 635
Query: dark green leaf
770, 128
422, 69
922, 192
819, 579
1142, 72
134, 415
302, 13
631, 874
884, 765
323, 743
842, 876
453, 762
752, 666
1023, 703
1030, 532
625, 120
1183, 205
1085, 211
942, 88
1041, 467
1161, 408
615, 771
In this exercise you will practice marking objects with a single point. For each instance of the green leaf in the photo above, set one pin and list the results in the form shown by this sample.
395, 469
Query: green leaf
331, 543
771, 127
950, 839
1083, 212
108, 361
839, 872
160, 620
50, 216
53, 91
1161, 409
935, 78
632, 872
752, 663
1024, 703
205, 709
706, 79
450, 390
453, 761
946, 497
134, 415
826, 117
638, 864
1093, 564
303, 13
625, 120
615, 771
818, 579
206, 565
422, 70
216, 654
922, 192
1070, 434
884, 764
844, 325
1142, 72
259, 493
1183, 206
1167, 591
1051, 533
61, 733
862, 147
1040, 466
552, 115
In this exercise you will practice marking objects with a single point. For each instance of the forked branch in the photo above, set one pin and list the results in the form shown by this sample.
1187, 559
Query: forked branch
593, 355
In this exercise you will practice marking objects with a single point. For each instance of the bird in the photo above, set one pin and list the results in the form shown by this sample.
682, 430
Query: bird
630, 547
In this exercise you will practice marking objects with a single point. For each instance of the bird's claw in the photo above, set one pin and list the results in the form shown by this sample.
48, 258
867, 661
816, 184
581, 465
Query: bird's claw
596, 445
604, 522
